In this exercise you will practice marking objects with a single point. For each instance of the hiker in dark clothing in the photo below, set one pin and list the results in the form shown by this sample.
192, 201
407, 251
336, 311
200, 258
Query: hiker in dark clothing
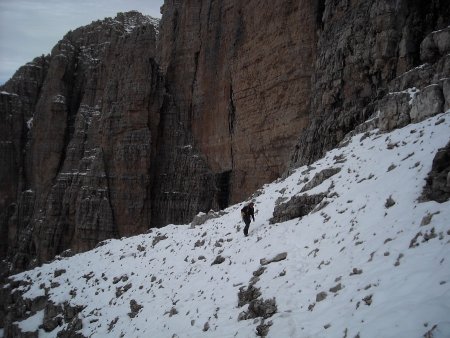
247, 212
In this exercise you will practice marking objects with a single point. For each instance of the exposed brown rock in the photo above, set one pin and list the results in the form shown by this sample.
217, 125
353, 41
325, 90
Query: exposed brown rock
240, 75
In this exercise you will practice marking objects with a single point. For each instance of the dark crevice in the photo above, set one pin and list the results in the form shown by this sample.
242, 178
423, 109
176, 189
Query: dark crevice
194, 80
223, 184
231, 112
319, 13
73, 95
175, 24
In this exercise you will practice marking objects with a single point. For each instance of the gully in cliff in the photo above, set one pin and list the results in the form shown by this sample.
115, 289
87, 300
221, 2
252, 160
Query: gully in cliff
247, 212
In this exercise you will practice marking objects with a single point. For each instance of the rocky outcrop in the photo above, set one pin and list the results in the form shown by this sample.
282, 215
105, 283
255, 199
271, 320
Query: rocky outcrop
296, 207
19, 308
437, 186
366, 49
429, 102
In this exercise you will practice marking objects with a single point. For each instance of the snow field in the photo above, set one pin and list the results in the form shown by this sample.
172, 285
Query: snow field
383, 282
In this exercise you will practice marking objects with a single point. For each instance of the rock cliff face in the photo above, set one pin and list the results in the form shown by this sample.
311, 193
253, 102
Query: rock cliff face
363, 50
240, 76
130, 124
16, 119
85, 175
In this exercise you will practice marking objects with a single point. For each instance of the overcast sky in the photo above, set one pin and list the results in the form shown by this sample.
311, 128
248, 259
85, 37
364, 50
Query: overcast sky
30, 28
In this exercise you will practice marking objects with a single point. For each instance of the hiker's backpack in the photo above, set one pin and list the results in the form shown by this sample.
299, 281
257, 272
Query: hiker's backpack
244, 212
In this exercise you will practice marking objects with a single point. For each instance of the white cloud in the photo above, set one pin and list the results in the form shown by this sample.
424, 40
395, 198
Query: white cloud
31, 28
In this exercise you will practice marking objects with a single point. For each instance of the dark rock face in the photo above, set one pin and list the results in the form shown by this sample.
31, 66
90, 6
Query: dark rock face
17, 101
364, 50
86, 172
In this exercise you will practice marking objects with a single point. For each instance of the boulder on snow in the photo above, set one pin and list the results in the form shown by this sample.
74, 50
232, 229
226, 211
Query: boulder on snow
219, 260
247, 295
277, 258
259, 308
321, 296
320, 177
135, 308
201, 217
297, 206
437, 187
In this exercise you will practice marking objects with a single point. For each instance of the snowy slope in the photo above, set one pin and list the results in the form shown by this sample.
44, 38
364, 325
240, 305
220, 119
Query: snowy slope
385, 279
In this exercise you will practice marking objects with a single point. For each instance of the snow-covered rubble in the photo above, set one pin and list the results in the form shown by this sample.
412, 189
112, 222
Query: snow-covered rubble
370, 261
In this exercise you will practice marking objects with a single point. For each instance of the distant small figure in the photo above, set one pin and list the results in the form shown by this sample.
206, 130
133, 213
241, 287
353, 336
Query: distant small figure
247, 212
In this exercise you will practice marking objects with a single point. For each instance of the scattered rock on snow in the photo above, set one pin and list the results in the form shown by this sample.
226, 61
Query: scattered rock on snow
201, 217
158, 239
219, 260
122, 289
206, 327
391, 167
135, 308
426, 220
356, 271
112, 324
246, 295
368, 299
397, 262
321, 296
320, 177
277, 258
58, 273
336, 288
297, 206
172, 312
263, 329
199, 243
259, 308
259, 272
429, 333
389, 202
